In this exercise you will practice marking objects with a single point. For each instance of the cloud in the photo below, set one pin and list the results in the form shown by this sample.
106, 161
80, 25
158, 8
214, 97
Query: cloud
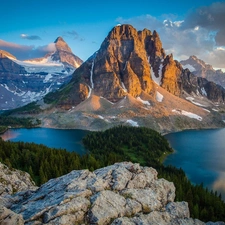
73, 34
23, 52
210, 18
30, 37
200, 33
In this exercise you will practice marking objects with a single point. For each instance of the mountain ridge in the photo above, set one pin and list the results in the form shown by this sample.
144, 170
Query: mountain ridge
201, 69
22, 82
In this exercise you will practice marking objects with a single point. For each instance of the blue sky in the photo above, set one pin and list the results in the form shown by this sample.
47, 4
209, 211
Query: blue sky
186, 27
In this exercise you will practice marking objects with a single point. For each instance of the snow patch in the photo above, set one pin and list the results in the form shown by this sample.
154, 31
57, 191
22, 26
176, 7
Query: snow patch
91, 77
46, 65
143, 101
47, 78
160, 70
133, 123
206, 110
203, 91
190, 67
190, 98
188, 114
195, 103
157, 80
101, 117
159, 97
107, 100
123, 86
125, 66
89, 93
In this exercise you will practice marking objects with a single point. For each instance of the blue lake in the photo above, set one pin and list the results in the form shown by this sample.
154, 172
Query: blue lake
70, 140
200, 153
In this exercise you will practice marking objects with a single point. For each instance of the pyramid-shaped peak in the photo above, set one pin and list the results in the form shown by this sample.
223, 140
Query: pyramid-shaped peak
59, 39
61, 45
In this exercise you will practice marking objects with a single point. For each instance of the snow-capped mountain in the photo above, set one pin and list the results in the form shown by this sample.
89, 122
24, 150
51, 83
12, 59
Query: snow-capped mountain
22, 82
201, 69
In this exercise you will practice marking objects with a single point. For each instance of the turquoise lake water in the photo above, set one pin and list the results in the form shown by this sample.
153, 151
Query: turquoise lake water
54, 138
201, 154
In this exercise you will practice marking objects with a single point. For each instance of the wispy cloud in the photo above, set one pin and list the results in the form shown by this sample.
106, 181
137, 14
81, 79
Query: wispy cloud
30, 37
74, 35
23, 52
200, 33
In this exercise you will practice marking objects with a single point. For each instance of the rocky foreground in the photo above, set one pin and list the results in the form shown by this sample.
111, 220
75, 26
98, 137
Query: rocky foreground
124, 193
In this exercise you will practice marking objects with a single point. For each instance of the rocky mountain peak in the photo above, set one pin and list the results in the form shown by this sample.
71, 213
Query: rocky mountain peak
61, 45
201, 69
64, 54
123, 32
59, 39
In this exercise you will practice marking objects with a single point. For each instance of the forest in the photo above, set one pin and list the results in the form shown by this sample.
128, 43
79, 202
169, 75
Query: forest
140, 145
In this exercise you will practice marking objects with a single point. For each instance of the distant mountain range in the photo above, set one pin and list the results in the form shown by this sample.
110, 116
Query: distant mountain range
201, 69
22, 82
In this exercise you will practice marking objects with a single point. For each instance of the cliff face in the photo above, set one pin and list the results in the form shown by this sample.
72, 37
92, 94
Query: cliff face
171, 78
123, 193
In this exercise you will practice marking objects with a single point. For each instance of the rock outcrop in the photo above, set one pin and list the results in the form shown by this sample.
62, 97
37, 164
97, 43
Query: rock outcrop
12, 181
124, 193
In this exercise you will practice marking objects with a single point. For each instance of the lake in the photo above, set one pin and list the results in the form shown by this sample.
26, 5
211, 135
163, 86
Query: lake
54, 138
201, 154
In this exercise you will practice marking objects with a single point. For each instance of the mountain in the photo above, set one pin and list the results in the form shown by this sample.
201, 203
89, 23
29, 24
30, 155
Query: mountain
22, 82
123, 193
130, 80
64, 54
129, 62
199, 68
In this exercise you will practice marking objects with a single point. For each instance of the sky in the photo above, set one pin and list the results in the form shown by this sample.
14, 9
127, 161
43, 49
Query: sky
186, 27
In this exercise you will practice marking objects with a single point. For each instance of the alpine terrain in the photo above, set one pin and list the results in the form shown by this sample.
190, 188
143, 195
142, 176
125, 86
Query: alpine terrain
201, 69
130, 80
22, 82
